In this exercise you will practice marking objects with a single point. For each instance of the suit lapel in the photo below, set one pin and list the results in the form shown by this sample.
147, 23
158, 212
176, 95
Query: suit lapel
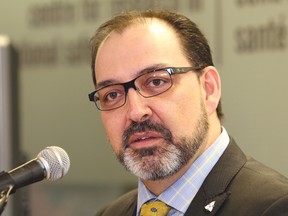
212, 193
132, 209
128, 206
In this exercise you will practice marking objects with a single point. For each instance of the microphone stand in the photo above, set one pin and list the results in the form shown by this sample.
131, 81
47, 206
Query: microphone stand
6, 188
4, 194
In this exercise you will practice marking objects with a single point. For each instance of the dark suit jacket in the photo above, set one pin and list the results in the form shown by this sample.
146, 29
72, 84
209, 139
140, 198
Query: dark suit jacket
239, 185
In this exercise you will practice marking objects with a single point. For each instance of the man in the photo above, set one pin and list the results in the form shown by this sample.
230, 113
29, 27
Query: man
159, 97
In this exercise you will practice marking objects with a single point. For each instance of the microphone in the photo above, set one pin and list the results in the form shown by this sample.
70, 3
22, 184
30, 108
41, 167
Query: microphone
51, 163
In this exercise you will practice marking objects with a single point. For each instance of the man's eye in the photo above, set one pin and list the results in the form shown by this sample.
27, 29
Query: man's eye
156, 82
111, 96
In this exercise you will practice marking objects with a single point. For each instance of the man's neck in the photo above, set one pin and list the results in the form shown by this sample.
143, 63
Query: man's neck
159, 186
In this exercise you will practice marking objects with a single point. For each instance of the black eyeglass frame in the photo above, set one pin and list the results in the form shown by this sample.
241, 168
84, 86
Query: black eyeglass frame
131, 83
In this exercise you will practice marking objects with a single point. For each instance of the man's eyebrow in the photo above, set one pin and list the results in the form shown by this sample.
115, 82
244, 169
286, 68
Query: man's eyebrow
157, 66
150, 68
104, 83
145, 70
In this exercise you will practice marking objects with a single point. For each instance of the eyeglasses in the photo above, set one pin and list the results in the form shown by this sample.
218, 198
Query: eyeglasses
149, 84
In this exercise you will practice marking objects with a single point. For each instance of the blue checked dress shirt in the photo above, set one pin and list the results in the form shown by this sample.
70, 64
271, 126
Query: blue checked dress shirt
181, 193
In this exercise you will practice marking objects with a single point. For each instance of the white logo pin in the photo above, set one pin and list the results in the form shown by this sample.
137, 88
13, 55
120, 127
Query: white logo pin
210, 206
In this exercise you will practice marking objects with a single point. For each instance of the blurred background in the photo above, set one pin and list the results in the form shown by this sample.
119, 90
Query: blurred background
45, 77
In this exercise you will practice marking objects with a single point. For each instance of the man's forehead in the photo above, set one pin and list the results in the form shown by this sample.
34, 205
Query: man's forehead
150, 29
148, 25
150, 34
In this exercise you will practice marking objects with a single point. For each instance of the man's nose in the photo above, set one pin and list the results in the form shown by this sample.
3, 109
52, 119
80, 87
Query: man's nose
138, 108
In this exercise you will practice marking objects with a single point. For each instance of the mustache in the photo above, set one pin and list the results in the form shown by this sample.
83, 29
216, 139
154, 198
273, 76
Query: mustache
145, 126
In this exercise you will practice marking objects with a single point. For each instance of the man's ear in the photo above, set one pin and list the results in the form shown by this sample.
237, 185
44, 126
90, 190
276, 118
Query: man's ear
211, 84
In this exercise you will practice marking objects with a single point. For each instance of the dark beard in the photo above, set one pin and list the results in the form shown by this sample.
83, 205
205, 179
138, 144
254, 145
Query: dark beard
163, 161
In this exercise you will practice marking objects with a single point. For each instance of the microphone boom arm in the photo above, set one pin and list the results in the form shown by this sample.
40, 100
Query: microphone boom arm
4, 195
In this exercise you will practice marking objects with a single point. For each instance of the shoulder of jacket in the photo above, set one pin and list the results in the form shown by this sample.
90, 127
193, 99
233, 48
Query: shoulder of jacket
120, 206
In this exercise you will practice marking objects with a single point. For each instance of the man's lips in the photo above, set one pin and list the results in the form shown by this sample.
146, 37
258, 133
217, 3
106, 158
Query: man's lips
144, 139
